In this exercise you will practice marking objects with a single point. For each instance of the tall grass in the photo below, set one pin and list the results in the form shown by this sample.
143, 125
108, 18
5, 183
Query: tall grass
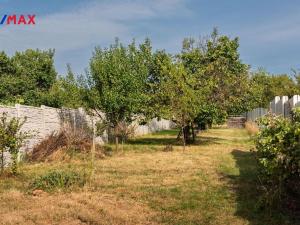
251, 128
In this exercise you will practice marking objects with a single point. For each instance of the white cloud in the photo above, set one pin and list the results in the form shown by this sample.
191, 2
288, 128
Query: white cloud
96, 22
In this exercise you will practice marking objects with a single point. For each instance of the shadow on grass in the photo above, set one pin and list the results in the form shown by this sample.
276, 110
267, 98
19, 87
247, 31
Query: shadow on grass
173, 132
248, 196
154, 141
171, 139
164, 137
209, 140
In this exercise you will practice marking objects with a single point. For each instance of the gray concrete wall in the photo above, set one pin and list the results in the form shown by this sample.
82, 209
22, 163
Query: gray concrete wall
153, 126
42, 121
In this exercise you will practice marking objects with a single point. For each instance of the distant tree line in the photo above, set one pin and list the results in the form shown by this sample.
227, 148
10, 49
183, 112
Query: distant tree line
198, 87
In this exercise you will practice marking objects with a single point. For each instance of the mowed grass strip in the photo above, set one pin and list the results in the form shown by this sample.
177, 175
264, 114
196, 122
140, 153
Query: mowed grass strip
212, 182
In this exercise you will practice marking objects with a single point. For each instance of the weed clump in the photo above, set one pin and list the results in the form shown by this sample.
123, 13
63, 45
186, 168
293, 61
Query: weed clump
168, 148
58, 180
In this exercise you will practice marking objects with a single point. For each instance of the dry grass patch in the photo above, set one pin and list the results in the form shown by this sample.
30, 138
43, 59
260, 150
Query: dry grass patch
72, 208
212, 182
251, 127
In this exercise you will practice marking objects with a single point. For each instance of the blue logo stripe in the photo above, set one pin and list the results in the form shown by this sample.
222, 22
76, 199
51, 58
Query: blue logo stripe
3, 19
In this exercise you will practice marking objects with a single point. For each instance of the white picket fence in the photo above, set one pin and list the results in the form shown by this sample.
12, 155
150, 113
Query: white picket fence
279, 106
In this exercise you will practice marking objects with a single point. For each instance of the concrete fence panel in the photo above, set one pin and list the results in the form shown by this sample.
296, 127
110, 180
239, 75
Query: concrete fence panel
43, 121
278, 106
255, 114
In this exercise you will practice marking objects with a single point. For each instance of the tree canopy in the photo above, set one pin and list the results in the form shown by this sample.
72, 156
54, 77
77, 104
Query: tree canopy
268, 86
118, 77
26, 77
202, 84
216, 64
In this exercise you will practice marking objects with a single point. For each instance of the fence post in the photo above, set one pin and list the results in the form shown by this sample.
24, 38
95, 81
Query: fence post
44, 119
74, 119
296, 101
277, 105
17, 106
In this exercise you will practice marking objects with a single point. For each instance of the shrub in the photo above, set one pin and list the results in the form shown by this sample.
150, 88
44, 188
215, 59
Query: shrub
278, 154
11, 139
58, 180
64, 144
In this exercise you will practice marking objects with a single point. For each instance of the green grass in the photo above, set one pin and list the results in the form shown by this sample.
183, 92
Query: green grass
58, 180
212, 182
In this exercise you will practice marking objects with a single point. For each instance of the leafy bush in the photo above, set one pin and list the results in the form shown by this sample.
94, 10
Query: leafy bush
11, 139
278, 154
58, 180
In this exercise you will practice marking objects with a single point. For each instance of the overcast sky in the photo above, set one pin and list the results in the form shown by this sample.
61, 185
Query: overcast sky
269, 30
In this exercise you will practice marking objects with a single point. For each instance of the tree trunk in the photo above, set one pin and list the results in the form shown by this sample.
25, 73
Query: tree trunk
2, 161
183, 137
117, 142
14, 167
187, 134
110, 135
179, 134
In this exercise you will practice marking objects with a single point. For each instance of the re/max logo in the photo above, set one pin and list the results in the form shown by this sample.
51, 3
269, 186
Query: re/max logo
18, 20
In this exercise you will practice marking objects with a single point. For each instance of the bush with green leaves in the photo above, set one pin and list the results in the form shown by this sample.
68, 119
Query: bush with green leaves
11, 139
278, 154
58, 180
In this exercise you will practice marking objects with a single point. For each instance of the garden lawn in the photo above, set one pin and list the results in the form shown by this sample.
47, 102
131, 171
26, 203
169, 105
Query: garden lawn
212, 182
